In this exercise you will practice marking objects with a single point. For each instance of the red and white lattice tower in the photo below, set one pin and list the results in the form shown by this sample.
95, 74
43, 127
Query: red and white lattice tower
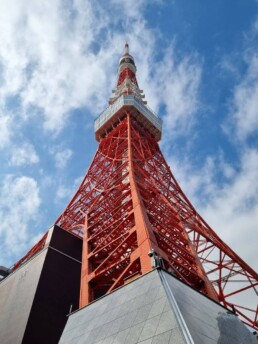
129, 204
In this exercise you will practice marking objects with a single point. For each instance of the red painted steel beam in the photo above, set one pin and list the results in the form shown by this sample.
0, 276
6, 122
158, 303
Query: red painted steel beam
172, 225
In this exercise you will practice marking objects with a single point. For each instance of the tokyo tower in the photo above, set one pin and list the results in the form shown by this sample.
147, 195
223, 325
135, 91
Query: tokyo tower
133, 216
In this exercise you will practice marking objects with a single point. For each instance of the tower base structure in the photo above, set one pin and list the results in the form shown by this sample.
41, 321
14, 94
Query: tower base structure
36, 298
155, 308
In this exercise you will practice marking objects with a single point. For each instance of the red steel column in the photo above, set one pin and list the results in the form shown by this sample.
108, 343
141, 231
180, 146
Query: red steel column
145, 236
85, 293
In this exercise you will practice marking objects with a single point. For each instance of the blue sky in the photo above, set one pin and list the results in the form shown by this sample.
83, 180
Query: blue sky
197, 63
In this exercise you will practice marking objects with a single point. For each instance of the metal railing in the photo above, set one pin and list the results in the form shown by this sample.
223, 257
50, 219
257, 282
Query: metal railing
128, 100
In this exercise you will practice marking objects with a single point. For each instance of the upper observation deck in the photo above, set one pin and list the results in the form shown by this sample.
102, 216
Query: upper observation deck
119, 109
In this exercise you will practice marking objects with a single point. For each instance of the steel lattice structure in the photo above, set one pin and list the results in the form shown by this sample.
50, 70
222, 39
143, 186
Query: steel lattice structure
129, 203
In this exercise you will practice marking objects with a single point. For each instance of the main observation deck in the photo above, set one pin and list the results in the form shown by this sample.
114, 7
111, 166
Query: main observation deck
123, 105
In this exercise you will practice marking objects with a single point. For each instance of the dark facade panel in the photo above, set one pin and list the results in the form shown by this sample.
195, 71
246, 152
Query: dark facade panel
66, 243
58, 290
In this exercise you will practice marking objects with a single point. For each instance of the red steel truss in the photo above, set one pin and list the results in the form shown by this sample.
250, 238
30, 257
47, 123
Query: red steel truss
128, 68
129, 203
127, 73
35, 249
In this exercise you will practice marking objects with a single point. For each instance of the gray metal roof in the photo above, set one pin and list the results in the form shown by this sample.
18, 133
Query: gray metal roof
155, 308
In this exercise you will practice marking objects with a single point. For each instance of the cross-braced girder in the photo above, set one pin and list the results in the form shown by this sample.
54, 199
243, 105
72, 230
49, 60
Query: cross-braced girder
129, 168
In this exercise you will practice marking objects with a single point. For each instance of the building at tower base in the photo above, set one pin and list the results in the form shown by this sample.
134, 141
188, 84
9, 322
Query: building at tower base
155, 308
36, 298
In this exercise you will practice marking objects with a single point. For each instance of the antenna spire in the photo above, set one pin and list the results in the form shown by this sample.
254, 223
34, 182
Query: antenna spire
127, 82
126, 48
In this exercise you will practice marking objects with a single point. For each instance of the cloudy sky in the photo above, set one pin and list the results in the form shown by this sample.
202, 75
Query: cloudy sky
197, 63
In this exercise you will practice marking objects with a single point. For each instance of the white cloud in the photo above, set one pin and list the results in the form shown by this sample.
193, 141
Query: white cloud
62, 156
242, 120
54, 59
65, 192
245, 102
131, 8
5, 130
47, 59
232, 209
19, 204
226, 197
178, 91
24, 154
196, 182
